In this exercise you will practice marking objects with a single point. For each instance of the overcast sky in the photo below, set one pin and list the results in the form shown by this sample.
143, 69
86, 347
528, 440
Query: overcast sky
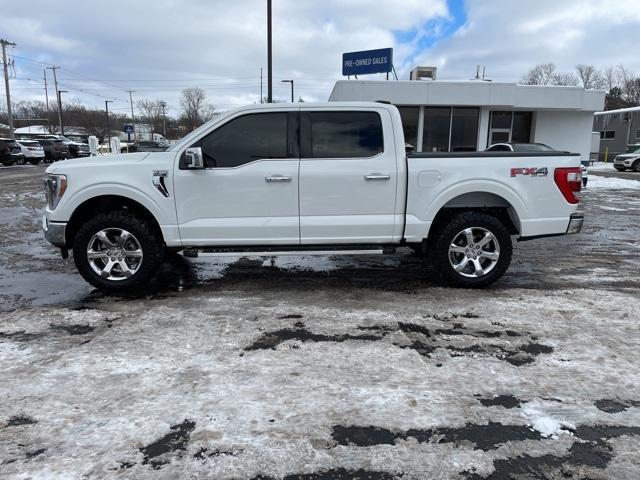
159, 47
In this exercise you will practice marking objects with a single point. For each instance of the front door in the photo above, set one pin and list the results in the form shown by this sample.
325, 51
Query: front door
248, 192
348, 176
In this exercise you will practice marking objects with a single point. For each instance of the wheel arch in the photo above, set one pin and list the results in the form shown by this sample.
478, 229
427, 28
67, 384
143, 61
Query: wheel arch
489, 202
106, 203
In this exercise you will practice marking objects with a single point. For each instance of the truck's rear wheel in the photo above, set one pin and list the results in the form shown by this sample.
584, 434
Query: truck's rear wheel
117, 251
472, 250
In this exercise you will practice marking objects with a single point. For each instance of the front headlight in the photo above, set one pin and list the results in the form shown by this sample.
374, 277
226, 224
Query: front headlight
55, 186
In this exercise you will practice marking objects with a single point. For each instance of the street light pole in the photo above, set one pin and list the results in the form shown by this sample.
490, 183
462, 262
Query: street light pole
291, 82
60, 92
269, 56
106, 108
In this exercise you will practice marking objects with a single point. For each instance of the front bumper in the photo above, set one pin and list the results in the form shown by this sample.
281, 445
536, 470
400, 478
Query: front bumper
575, 223
55, 232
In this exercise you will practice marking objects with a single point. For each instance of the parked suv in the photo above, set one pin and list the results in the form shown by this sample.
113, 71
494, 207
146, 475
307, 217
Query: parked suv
10, 152
54, 149
32, 151
631, 159
75, 149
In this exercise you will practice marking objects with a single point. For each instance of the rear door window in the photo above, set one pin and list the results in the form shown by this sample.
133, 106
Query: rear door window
341, 134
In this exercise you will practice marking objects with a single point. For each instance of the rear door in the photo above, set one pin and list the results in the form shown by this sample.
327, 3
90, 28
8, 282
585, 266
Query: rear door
248, 192
348, 176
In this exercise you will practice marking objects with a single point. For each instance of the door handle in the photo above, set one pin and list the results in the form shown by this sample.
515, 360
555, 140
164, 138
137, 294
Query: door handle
277, 179
377, 176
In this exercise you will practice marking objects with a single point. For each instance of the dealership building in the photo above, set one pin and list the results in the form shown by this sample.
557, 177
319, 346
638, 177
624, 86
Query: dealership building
619, 131
459, 116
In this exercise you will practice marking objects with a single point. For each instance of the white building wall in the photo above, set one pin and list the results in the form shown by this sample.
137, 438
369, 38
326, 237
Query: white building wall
564, 130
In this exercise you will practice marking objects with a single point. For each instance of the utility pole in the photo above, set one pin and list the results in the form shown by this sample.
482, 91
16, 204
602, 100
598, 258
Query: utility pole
133, 120
260, 84
60, 92
106, 108
46, 90
163, 104
5, 66
291, 82
55, 82
269, 56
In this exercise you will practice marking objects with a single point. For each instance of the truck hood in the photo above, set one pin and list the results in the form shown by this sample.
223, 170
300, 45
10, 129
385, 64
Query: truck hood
98, 162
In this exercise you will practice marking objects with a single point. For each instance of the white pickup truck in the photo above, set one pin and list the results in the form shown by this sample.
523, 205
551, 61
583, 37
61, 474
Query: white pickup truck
306, 179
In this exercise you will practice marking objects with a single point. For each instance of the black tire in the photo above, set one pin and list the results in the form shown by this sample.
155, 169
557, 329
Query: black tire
8, 163
450, 230
636, 166
34, 161
21, 161
151, 245
620, 169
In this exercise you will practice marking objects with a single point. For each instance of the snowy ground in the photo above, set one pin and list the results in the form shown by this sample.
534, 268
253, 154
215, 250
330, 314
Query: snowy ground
253, 368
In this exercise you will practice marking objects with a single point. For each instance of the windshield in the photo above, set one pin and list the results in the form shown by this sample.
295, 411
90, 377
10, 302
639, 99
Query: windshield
633, 149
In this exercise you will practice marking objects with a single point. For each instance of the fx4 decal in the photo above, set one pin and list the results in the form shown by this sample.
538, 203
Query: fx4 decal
530, 171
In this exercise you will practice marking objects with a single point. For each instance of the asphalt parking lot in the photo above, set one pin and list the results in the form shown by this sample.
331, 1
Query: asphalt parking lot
324, 367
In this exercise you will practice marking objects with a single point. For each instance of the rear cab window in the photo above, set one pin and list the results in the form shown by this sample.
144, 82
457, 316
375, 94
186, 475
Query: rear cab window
341, 134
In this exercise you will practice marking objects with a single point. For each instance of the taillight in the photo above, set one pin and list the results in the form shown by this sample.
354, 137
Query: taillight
569, 181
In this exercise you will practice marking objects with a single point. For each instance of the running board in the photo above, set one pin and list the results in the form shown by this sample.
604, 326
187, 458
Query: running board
226, 252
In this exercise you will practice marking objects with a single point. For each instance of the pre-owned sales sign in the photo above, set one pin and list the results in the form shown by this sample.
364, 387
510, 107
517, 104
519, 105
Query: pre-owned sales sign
369, 61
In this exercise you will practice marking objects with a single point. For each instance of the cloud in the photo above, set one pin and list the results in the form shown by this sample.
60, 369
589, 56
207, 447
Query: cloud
159, 47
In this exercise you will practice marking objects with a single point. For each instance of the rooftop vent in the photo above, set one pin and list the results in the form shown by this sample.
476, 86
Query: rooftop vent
423, 73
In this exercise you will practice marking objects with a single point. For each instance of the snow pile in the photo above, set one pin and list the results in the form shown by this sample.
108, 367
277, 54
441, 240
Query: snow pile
544, 423
601, 166
596, 181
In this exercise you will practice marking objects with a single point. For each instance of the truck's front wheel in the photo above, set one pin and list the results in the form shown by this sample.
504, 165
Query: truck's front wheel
472, 250
117, 251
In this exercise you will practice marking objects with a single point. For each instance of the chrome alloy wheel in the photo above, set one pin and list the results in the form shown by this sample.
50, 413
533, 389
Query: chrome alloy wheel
474, 252
114, 254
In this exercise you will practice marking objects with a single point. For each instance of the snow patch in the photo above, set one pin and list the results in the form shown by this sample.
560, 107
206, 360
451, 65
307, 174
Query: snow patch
544, 423
612, 183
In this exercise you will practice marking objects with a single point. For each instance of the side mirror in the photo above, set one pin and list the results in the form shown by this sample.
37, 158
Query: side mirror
194, 158
408, 148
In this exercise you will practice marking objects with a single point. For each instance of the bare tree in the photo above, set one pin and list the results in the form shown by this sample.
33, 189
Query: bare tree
541, 74
195, 110
590, 77
545, 74
150, 112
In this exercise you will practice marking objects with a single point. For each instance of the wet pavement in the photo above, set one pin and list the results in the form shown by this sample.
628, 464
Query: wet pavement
323, 367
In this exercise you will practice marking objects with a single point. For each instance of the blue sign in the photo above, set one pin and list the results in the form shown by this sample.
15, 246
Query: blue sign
128, 128
369, 61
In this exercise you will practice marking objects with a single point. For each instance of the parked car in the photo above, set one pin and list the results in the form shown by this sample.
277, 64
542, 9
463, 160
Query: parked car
148, 146
629, 160
32, 151
75, 149
54, 149
307, 179
536, 147
10, 152
520, 147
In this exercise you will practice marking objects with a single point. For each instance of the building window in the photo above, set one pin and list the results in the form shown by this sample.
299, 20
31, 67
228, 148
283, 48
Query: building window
464, 129
435, 133
409, 116
608, 135
510, 127
638, 134
450, 129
